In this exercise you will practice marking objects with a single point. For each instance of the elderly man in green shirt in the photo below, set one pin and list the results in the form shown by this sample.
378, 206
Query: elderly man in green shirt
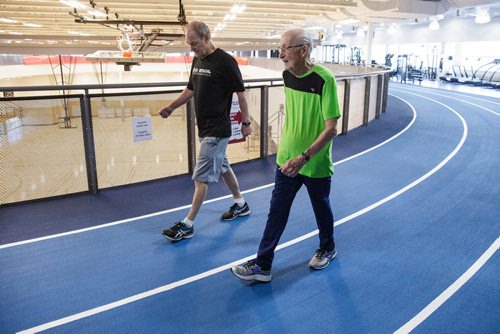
304, 154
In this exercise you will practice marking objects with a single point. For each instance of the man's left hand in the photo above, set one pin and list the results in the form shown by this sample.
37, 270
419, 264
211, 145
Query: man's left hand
292, 167
246, 130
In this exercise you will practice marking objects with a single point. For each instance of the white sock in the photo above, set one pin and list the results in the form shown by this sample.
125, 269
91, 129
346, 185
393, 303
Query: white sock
240, 201
188, 222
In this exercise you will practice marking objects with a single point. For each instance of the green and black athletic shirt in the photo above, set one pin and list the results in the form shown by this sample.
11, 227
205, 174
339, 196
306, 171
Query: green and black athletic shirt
309, 100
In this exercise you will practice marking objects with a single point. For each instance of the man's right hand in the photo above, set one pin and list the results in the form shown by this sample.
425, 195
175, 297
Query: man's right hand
165, 112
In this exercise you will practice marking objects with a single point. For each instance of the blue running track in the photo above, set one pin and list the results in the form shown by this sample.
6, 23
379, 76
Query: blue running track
417, 233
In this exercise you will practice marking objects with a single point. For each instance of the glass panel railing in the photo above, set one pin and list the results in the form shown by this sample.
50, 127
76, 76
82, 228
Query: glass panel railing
45, 149
276, 117
42, 149
250, 148
121, 158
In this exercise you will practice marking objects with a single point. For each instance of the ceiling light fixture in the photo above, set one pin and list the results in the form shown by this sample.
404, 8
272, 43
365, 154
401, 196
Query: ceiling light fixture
238, 8
231, 16
434, 25
392, 29
7, 20
73, 4
32, 25
482, 17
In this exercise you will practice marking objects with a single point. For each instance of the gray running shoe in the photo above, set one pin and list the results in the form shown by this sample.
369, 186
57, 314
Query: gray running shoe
178, 231
322, 258
251, 271
236, 211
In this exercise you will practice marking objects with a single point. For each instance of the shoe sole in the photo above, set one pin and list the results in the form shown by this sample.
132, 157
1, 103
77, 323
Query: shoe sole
259, 278
326, 265
173, 239
238, 215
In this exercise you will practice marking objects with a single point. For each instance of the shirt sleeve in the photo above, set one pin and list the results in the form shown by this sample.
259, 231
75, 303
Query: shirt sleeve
190, 82
233, 75
329, 99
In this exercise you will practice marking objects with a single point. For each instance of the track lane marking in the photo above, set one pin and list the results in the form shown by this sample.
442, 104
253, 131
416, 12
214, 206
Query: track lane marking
471, 95
461, 100
158, 213
450, 291
173, 285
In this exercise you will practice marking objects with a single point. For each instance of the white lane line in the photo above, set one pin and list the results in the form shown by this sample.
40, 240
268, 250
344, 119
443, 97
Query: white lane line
414, 118
461, 100
128, 220
450, 291
470, 95
197, 277
134, 298
475, 98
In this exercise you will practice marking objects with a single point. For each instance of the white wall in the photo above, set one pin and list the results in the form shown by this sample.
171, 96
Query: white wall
457, 37
451, 30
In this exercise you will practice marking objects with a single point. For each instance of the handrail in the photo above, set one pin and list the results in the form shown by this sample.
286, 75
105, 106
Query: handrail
273, 82
116, 86
87, 92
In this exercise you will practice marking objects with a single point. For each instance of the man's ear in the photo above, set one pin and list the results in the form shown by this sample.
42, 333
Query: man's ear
304, 52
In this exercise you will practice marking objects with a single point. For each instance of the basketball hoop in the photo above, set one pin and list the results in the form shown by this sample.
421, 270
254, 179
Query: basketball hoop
125, 42
127, 58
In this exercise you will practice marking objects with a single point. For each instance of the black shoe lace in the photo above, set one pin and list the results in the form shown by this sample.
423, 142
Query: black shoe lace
233, 207
249, 264
320, 253
177, 226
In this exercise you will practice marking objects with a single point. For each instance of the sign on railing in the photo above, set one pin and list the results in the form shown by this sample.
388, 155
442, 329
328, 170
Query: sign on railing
236, 120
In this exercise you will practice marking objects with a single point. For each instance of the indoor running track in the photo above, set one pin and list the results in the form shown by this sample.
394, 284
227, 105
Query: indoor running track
417, 233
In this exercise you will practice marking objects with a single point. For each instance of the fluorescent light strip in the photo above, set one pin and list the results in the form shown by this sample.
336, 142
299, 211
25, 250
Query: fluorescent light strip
32, 25
7, 20
73, 4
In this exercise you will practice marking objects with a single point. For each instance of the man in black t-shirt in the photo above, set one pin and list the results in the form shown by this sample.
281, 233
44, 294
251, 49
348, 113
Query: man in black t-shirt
214, 78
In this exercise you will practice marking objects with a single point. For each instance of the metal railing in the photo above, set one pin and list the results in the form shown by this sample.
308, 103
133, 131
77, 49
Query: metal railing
363, 89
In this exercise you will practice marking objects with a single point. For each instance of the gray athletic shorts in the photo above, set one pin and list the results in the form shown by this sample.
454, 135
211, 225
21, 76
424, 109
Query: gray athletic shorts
212, 159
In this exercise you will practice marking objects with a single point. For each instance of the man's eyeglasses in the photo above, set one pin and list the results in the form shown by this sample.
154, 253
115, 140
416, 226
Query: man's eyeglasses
285, 48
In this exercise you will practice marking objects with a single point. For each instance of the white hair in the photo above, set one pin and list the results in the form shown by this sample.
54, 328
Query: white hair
301, 36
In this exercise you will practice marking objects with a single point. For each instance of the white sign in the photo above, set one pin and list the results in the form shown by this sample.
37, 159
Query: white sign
141, 127
236, 120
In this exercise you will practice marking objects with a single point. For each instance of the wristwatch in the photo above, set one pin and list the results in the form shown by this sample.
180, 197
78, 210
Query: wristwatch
247, 123
305, 156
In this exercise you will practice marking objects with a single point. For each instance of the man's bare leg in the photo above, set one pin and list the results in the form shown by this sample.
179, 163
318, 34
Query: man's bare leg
200, 192
232, 183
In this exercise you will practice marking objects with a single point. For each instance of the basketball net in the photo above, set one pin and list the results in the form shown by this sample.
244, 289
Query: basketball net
126, 44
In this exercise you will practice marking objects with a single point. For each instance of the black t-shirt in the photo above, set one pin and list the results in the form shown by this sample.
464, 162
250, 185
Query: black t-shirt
213, 80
